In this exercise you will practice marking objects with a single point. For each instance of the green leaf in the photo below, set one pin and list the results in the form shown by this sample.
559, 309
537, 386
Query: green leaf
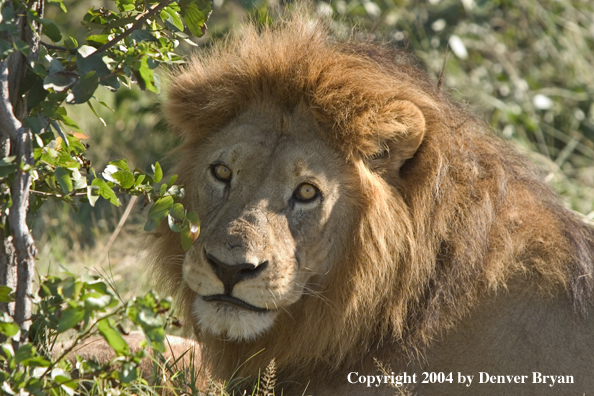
158, 172
26, 351
70, 122
186, 238
171, 181
93, 194
84, 88
6, 295
175, 18
195, 14
125, 178
61, 3
36, 94
139, 180
99, 39
92, 62
35, 124
121, 163
58, 129
5, 48
86, 50
51, 31
106, 192
142, 35
79, 181
113, 338
147, 75
36, 361
125, 5
158, 212
70, 288
96, 114
70, 317
111, 83
191, 232
177, 211
71, 43
128, 373
156, 337
8, 327
63, 177
59, 81
22, 47
96, 301
193, 217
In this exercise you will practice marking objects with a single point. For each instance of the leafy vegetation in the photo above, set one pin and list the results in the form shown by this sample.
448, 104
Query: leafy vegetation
525, 66
82, 309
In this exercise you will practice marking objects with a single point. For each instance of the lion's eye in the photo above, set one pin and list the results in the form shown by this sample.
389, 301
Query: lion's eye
306, 192
221, 172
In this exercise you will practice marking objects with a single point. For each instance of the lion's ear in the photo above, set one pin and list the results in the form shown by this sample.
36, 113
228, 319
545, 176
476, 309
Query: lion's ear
402, 129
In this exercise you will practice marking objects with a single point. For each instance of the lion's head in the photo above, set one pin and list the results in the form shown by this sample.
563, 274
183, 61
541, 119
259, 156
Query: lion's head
344, 202
272, 197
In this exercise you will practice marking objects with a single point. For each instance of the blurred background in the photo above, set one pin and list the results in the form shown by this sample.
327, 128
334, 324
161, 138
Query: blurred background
526, 67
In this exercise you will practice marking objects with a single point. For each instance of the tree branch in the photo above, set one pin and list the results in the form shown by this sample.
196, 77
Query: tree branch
22, 240
56, 47
134, 27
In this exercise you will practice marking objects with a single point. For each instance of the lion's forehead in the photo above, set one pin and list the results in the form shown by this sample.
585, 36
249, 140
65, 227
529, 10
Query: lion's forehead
274, 154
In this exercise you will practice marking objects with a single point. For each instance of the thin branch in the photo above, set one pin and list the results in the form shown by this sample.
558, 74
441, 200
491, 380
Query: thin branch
56, 47
139, 22
118, 228
55, 195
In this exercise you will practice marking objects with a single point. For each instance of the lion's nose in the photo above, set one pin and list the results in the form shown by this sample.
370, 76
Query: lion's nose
231, 274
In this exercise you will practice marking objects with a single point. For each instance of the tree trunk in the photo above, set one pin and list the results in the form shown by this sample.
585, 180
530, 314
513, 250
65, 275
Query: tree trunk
17, 248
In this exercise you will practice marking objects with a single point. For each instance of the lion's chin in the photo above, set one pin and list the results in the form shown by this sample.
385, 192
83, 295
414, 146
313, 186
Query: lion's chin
230, 321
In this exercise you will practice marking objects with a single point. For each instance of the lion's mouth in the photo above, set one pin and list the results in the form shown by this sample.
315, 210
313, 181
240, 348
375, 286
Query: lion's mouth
225, 298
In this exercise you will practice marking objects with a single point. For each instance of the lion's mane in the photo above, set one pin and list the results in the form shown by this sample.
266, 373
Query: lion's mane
458, 220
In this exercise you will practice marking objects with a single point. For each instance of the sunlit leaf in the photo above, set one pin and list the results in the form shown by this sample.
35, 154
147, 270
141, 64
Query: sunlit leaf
98, 39
147, 75
124, 178
6, 294
174, 16
96, 301
106, 192
195, 14
93, 194
171, 181
121, 164
113, 338
59, 81
158, 172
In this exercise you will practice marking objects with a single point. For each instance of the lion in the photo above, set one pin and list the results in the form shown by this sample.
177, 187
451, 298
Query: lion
352, 213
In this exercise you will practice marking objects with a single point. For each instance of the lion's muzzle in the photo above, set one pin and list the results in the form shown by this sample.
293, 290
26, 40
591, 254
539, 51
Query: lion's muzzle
231, 274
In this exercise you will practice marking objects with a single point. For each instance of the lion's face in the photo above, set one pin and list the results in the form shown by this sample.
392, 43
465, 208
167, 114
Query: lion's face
271, 198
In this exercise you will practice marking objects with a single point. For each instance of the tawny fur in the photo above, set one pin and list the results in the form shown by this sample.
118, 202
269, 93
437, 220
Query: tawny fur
440, 227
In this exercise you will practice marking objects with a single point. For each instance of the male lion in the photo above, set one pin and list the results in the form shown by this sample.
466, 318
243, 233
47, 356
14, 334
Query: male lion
351, 212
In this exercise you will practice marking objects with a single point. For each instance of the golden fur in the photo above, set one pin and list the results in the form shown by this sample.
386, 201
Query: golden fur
444, 218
